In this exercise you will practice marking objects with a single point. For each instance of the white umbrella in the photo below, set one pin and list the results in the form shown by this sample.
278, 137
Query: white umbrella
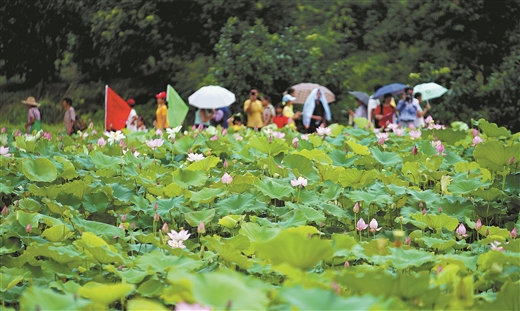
211, 97
430, 90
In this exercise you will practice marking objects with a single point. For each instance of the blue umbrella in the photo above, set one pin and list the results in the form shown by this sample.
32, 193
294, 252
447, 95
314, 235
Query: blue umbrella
394, 89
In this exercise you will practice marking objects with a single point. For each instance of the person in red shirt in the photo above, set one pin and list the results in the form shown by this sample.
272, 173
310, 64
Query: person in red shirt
279, 119
384, 114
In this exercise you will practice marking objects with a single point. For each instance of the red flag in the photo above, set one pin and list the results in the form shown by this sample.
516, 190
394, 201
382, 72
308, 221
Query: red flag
116, 110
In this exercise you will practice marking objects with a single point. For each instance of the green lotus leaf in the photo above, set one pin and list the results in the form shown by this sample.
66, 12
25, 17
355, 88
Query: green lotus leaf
99, 228
404, 259
206, 195
507, 297
494, 231
156, 261
296, 250
310, 214
438, 244
60, 253
133, 275
337, 212
122, 193
69, 287
142, 304
238, 204
448, 135
182, 145
274, 188
8, 281
291, 219
437, 222
69, 171
343, 242
321, 299
492, 129
490, 194
56, 233
369, 196
195, 218
339, 158
463, 261
316, 155
302, 164
187, 178
315, 140
465, 186
172, 190
464, 167
357, 148
105, 293
241, 292
272, 167
33, 218
257, 233
385, 158
270, 148
35, 298
204, 164
95, 203
354, 178
103, 161
228, 252
231, 221
494, 155
55, 207
39, 169
29, 204
150, 288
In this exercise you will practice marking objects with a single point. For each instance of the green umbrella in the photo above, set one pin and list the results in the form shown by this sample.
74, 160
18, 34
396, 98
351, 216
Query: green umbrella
430, 90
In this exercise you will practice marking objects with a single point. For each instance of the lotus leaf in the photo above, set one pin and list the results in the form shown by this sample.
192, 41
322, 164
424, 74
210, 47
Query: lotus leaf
492, 129
105, 293
141, 304
195, 218
494, 155
228, 252
40, 169
35, 298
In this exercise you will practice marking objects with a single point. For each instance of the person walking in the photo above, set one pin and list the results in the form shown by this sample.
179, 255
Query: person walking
269, 112
316, 111
33, 115
131, 122
70, 115
253, 109
420, 112
161, 114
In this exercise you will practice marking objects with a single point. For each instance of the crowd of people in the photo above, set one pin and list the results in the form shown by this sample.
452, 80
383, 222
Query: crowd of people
259, 113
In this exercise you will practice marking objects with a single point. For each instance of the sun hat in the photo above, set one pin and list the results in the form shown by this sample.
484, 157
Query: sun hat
130, 101
288, 97
31, 102
161, 95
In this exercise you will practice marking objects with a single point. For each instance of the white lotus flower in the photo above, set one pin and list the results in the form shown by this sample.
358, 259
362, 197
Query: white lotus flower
195, 157
114, 136
324, 131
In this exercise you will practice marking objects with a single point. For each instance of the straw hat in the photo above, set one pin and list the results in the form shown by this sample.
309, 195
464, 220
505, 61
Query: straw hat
31, 101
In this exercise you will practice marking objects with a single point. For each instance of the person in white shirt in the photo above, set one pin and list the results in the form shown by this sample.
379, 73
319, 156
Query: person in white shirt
131, 123
373, 103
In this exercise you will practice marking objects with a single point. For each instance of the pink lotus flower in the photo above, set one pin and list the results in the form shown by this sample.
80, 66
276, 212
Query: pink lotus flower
474, 132
478, 225
324, 131
382, 137
195, 157
356, 208
224, 132
295, 142
513, 233
278, 135
415, 134
5, 211
399, 132
227, 179
123, 218
155, 143
391, 127
47, 136
461, 231
300, 182
440, 209
361, 225
4, 151
408, 240
121, 226
28, 228
373, 225
158, 132
238, 137
424, 211
428, 120
164, 228
477, 140
225, 164
156, 217
495, 246
201, 228
3, 129
213, 138
182, 306
304, 136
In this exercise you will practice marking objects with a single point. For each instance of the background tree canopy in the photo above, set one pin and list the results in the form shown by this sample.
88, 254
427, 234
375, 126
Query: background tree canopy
52, 48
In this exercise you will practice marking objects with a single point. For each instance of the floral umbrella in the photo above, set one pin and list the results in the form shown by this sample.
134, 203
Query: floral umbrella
303, 90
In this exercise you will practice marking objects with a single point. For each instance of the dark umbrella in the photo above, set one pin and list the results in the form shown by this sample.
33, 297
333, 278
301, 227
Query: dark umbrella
362, 96
394, 89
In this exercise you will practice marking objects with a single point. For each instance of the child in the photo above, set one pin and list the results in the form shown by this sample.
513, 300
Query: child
140, 124
280, 119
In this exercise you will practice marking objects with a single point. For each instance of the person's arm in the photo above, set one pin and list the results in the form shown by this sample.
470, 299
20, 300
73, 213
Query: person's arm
69, 130
204, 116
420, 113
247, 106
31, 121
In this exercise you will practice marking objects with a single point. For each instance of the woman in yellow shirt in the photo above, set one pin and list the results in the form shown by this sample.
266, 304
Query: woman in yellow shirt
254, 108
288, 110
162, 112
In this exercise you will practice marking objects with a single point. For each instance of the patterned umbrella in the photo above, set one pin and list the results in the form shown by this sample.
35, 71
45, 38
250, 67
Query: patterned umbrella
430, 90
303, 90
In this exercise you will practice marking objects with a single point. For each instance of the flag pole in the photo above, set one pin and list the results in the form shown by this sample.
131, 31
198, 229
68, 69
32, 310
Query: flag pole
106, 106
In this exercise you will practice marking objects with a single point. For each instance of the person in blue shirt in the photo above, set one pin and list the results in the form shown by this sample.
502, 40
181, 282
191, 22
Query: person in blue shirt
407, 107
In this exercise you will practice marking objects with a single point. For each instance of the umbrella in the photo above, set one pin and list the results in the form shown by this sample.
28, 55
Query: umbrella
303, 90
211, 97
394, 89
362, 96
430, 90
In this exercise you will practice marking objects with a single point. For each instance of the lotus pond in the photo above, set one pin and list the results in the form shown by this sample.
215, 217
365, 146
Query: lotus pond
343, 219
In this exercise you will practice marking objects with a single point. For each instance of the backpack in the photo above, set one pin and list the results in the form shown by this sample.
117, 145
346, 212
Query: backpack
79, 124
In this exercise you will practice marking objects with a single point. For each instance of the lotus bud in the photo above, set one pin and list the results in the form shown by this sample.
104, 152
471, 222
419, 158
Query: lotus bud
308, 235
322, 224
116, 237
155, 206
270, 139
407, 241
474, 132
5, 211
156, 217
164, 228
132, 149
90, 147
420, 204
414, 150
201, 228
513, 233
132, 225
440, 209
512, 160
201, 127
478, 225
60, 137
439, 269
123, 218
120, 267
424, 211
3, 129
227, 179
356, 207
346, 264
28, 228
225, 165
194, 127
224, 132
122, 226
487, 232
140, 166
